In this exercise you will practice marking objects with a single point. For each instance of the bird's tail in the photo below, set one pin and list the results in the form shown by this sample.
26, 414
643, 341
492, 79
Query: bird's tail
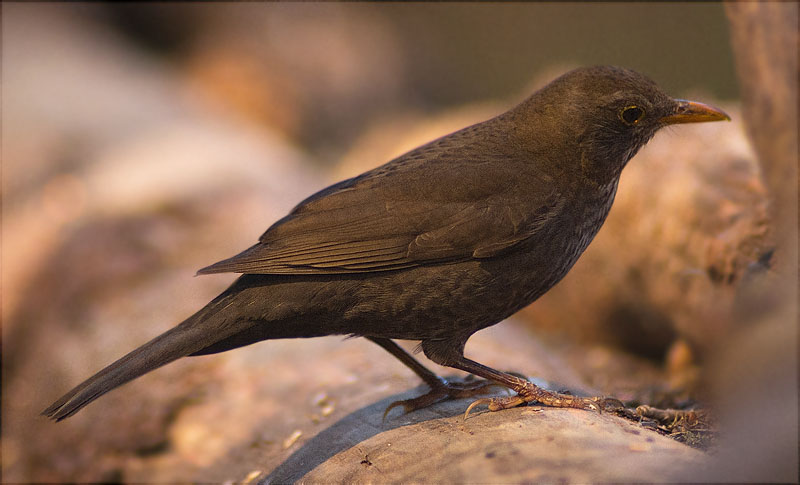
188, 337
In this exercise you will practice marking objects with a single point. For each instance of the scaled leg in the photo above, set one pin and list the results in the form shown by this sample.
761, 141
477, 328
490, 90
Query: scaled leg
441, 389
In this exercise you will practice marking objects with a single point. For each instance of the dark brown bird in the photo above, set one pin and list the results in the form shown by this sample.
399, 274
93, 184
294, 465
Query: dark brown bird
435, 245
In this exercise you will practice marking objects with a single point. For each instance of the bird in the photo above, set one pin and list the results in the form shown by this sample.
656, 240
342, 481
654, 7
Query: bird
441, 242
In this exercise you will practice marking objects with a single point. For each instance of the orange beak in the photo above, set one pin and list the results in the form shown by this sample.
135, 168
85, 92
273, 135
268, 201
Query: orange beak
693, 112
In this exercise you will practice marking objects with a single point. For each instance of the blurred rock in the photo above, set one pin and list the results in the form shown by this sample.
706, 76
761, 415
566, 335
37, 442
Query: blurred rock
95, 128
321, 73
306, 71
752, 379
753, 374
765, 40
118, 187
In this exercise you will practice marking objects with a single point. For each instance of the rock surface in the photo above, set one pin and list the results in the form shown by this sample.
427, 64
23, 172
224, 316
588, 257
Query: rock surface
528, 444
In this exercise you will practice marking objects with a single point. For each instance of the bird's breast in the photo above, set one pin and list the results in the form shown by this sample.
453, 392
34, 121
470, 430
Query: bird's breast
564, 242
592, 214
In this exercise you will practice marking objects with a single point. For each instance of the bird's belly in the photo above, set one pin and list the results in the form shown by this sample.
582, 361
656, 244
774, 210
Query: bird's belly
460, 298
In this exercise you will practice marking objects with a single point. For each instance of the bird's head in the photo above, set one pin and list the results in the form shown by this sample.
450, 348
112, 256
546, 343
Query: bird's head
606, 114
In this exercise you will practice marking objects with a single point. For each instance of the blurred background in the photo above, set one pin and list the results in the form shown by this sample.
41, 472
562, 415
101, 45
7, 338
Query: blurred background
142, 142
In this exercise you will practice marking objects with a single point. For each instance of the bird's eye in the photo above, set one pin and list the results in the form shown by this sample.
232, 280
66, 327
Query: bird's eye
630, 115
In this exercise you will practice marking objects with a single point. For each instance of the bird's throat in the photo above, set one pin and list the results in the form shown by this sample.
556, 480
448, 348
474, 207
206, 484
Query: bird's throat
599, 175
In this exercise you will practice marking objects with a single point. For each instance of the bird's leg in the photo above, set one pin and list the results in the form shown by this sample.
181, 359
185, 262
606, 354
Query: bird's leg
441, 389
450, 355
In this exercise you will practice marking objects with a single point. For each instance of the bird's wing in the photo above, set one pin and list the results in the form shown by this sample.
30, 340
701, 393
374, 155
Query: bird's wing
399, 216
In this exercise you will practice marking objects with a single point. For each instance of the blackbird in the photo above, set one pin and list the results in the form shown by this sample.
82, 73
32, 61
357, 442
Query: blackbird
445, 240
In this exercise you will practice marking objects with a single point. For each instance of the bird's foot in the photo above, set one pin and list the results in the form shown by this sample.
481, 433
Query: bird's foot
529, 392
441, 392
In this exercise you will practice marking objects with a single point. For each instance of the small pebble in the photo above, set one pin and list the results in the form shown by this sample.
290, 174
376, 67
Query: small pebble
292, 439
252, 476
320, 399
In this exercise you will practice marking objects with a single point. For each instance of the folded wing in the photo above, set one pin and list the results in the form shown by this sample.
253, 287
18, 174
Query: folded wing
398, 216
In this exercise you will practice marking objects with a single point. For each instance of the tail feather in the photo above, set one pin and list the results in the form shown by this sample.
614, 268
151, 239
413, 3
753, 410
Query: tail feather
194, 334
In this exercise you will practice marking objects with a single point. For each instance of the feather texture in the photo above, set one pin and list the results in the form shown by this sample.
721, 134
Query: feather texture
397, 216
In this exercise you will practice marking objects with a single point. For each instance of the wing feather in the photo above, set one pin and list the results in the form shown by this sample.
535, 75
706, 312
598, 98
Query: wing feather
443, 206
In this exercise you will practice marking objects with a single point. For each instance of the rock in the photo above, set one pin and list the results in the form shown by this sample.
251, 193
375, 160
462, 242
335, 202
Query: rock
528, 444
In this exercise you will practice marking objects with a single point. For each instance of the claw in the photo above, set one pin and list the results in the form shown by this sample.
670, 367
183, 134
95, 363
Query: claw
484, 400
444, 391
594, 407
392, 406
496, 403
